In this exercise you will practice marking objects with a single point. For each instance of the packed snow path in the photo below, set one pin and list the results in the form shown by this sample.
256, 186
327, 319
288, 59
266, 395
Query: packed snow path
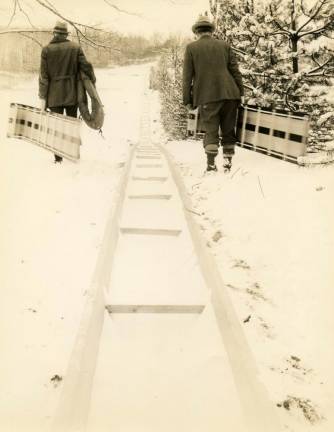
159, 347
52, 232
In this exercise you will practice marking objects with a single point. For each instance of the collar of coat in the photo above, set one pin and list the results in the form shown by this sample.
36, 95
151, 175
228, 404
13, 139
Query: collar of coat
206, 34
58, 40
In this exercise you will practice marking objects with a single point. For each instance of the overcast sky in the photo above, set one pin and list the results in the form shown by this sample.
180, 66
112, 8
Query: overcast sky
163, 16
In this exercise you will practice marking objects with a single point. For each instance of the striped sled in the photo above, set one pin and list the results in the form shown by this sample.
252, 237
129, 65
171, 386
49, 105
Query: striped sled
280, 134
55, 132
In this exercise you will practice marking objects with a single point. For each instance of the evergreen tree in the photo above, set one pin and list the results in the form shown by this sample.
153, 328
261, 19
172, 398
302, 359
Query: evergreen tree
167, 78
286, 51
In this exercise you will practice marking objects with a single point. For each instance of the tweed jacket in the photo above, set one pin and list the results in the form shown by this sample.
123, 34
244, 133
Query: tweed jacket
210, 72
61, 60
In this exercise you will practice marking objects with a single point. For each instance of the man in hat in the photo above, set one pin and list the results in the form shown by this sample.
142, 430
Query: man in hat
212, 81
61, 61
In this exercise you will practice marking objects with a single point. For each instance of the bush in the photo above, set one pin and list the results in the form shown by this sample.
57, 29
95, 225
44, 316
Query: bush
167, 79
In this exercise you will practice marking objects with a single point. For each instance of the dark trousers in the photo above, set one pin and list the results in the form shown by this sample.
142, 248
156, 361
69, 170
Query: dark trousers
219, 115
71, 111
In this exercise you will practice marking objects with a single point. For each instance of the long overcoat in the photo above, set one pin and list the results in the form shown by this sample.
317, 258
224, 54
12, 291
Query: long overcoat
210, 72
61, 60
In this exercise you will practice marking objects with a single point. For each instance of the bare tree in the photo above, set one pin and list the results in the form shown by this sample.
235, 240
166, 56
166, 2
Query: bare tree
118, 9
83, 31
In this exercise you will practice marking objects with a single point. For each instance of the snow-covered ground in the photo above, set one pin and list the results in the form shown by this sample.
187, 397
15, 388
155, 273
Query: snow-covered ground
268, 223
52, 222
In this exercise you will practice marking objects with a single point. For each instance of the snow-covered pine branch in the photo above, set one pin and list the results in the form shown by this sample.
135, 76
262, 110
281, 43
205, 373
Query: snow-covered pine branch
286, 50
325, 117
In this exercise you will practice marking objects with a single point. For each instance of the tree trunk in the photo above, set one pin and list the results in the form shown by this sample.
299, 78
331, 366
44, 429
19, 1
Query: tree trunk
294, 38
294, 46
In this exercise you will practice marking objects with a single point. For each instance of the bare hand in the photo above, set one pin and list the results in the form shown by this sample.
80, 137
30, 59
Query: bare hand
242, 101
189, 107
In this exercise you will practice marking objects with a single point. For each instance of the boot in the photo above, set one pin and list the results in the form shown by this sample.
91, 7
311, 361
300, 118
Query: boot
58, 159
227, 163
211, 166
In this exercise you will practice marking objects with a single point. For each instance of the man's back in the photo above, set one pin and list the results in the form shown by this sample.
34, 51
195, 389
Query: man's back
212, 82
62, 58
61, 62
210, 72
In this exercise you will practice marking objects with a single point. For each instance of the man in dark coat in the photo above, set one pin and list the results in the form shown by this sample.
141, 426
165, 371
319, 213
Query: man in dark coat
61, 61
212, 81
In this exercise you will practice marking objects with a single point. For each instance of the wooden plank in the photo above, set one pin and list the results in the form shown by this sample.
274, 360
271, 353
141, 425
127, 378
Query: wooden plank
259, 411
279, 114
272, 120
257, 125
270, 139
244, 119
149, 166
250, 137
148, 150
150, 231
148, 157
192, 122
160, 309
273, 153
282, 145
160, 179
152, 196
285, 144
74, 401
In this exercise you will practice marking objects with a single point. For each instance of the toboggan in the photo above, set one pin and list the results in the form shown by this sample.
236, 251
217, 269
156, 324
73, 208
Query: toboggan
55, 132
277, 133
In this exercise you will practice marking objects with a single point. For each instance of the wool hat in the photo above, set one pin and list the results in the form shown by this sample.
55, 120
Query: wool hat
203, 21
60, 27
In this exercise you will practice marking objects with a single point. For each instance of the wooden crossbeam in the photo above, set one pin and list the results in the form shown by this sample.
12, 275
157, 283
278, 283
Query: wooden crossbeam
161, 179
155, 309
148, 150
151, 231
142, 154
151, 150
149, 166
148, 157
152, 196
